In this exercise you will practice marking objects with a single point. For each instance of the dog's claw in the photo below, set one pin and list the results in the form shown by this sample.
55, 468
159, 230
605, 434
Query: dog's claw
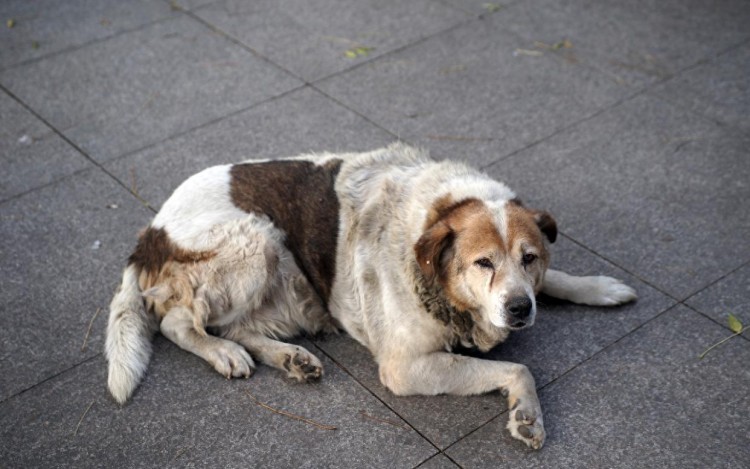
522, 417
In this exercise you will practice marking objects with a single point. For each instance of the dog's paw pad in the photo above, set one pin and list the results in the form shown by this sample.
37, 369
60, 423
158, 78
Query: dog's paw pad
303, 366
524, 425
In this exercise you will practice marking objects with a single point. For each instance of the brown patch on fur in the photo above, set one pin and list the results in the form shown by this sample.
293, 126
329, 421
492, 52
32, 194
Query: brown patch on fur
532, 226
155, 249
299, 197
466, 227
154, 255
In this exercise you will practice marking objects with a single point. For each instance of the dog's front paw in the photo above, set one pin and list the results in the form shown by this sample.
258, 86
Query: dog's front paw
527, 425
605, 291
611, 291
232, 361
303, 365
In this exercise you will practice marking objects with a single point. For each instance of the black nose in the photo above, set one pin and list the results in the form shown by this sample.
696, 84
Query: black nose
519, 307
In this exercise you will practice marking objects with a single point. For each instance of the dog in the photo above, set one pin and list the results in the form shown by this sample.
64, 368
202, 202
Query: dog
409, 256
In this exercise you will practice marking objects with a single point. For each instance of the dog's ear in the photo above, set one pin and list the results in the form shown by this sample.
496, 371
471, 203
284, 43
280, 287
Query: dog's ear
547, 225
430, 248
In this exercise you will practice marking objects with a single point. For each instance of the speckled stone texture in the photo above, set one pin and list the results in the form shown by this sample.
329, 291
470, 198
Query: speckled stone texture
628, 121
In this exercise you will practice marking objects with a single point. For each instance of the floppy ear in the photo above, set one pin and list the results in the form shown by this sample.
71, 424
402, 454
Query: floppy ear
430, 248
547, 225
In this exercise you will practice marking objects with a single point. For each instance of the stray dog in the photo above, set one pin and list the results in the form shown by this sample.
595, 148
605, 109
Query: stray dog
410, 256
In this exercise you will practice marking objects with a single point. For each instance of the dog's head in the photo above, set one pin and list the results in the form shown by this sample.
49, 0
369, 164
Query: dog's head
488, 257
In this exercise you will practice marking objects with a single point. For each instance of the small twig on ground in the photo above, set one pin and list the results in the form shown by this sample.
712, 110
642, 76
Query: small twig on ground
134, 189
378, 419
721, 342
88, 331
179, 453
288, 414
75, 432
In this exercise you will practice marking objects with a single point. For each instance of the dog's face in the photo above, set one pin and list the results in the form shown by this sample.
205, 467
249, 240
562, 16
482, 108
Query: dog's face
488, 257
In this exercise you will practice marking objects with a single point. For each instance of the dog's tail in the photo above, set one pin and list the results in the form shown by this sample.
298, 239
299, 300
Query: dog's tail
129, 333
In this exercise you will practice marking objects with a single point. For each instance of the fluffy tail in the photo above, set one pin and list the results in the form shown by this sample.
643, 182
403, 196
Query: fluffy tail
129, 333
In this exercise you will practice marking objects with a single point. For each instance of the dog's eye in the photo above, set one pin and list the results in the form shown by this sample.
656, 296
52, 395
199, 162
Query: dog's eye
528, 258
484, 263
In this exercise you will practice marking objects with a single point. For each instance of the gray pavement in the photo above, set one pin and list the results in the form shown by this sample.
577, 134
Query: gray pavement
630, 121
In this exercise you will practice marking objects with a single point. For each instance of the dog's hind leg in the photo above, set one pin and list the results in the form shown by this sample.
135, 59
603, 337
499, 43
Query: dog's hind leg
595, 291
227, 357
296, 361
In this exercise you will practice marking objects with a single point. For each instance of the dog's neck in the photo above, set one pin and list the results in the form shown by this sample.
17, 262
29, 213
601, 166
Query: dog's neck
464, 325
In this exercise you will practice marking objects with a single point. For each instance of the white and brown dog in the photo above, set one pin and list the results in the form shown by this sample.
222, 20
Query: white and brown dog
411, 257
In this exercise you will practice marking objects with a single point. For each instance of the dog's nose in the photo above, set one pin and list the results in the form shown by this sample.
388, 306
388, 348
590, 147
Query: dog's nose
519, 307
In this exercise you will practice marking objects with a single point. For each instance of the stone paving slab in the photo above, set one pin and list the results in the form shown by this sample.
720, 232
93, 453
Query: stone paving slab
185, 414
466, 95
62, 252
138, 88
647, 401
301, 122
563, 336
645, 185
32, 155
718, 89
654, 183
729, 295
43, 27
634, 43
310, 38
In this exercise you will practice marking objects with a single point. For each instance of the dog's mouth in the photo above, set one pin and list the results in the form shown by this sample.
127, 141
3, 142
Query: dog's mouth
515, 324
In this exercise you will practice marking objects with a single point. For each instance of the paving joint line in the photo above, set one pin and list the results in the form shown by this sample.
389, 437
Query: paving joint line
74, 145
177, 14
646, 89
568, 371
101, 165
624, 269
205, 124
678, 300
565, 128
346, 370
421, 464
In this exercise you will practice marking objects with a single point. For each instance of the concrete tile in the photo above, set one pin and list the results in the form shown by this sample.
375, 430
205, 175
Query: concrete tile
563, 336
648, 401
141, 87
729, 295
439, 461
186, 414
465, 95
62, 252
718, 89
300, 122
634, 43
43, 27
645, 185
32, 154
310, 38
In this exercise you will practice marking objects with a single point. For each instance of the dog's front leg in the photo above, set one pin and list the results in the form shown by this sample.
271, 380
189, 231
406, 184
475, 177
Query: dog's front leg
595, 291
447, 373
